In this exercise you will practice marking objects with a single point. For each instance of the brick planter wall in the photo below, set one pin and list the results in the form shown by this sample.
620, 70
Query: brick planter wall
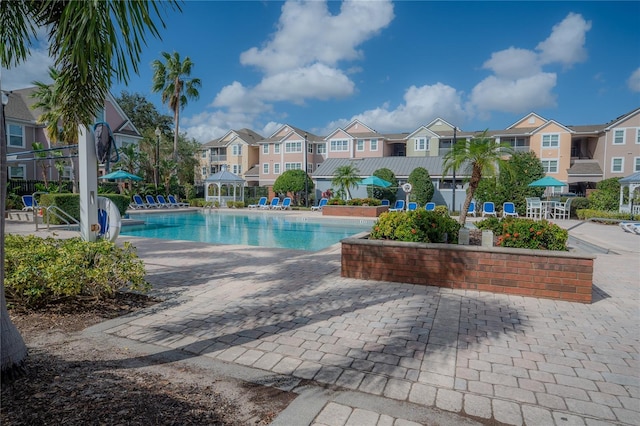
537, 273
354, 211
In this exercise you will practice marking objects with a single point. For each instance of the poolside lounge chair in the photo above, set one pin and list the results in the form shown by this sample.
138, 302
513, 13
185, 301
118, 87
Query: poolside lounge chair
323, 202
175, 203
472, 209
138, 203
430, 206
630, 227
384, 202
509, 209
488, 209
286, 204
151, 202
29, 202
275, 204
412, 205
162, 202
398, 206
261, 203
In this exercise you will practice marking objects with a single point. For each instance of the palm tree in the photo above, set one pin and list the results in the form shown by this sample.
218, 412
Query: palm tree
480, 156
91, 43
169, 78
346, 177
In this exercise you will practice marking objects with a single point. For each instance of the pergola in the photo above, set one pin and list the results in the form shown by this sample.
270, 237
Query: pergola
633, 183
228, 187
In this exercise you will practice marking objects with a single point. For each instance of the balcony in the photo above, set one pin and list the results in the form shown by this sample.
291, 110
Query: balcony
218, 158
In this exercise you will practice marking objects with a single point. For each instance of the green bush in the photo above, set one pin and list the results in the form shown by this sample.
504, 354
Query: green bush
586, 214
491, 223
364, 201
196, 202
336, 201
533, 234
415, 226
442, 210
43, 271
607, 195
578, 203
70, 204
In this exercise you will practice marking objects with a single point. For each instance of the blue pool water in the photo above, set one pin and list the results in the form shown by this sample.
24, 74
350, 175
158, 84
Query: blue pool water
259, 229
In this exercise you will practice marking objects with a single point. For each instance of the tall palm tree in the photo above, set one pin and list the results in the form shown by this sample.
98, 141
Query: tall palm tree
480, 157
346, 177
91, 43
170, 78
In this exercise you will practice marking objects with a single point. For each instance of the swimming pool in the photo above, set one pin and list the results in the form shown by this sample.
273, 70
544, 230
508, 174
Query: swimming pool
252, 229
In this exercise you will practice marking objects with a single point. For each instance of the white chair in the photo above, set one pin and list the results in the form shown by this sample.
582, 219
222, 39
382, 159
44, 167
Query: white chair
534, 208
562, 210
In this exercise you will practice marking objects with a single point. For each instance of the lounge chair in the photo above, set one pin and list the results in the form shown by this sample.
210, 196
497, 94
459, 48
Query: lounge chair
384, 202
412, 205
430, 206
162, 202
138, 203
29, 202
261, 203
175, 203
630, 227
472, 209
323, 202
509, 210
398, 206
151, 202
562, 210
488, 209
275, 204
286, 204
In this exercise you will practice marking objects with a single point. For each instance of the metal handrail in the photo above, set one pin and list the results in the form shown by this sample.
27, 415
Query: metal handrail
60, 214
35, 206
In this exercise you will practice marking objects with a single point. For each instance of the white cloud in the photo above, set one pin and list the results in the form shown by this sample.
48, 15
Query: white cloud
634, 81
566, 42
35, 68
514, 96
513, 63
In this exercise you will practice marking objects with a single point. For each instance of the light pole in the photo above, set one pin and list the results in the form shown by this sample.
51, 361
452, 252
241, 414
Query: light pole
306, 171
157, 167
453, 197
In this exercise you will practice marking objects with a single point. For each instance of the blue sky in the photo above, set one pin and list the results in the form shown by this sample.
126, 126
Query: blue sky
394, 65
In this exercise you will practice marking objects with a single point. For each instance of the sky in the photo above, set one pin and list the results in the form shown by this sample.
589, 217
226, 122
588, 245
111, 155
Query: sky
395, 66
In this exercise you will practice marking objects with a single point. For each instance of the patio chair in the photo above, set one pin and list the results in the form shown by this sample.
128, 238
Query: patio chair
398, 206
286, 204
162, 202
534, 208
412, 206
509, 210
138, 203
262, 202
430, 206
174, 202
630, 227
275, 204
562, 210
30, 203
151, 202
384, 202
489, 209
323, 202
472, 209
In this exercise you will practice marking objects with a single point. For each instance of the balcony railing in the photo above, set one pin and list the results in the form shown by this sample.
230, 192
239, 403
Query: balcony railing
217, 158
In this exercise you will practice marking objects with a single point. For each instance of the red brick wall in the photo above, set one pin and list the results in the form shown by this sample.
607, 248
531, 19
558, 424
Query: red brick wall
536, 273
354, 211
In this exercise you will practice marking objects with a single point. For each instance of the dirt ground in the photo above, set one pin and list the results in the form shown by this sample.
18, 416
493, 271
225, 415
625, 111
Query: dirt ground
73, 380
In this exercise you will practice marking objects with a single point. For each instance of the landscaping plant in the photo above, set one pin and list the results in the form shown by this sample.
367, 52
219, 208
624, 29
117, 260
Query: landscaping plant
416, 226
527, 233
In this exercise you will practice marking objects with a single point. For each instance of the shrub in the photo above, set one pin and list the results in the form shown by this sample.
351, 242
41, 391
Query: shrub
533, 234
586, 214
491, 223
442, 210
42, 271
196, 202
415, 226
578, 203
336, 201
364, 201
607, 195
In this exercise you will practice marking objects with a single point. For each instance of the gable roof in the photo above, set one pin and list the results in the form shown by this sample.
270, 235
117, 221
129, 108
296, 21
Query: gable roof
622, 118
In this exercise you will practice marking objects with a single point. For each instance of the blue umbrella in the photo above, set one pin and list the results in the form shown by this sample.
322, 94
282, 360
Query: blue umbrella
546, 182
120, 175
375, 181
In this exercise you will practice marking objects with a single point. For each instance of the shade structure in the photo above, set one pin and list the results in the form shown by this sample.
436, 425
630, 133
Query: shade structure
120, 175
375, 181
546, 182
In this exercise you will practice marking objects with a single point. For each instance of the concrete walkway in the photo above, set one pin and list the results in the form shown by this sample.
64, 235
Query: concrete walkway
378, 353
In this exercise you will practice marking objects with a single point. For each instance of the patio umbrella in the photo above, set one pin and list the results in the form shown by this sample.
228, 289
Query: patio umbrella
547, 182
120, 175
375, 181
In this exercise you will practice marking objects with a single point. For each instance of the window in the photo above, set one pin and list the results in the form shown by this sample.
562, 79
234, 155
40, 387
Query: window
265, 169
292, 166
16, 136
265, 148
618, 137
636, 164
236, 150
203, 154
617, 165
310, 168
339, 145
360, 145
322, 148
550, 166
17, 172
637, 135
291, 147
204, 171
421, 144
374, 144
310, 148
236, 169
66, 173
550, 140
276, 168
276, 148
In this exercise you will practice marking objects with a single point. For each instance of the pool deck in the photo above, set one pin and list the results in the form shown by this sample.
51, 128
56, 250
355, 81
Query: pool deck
378, 353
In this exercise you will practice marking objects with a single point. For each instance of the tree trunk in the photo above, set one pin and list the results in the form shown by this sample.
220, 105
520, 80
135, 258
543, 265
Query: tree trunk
13, 351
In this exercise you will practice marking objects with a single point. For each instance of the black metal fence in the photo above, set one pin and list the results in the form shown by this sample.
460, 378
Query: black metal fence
28, 187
